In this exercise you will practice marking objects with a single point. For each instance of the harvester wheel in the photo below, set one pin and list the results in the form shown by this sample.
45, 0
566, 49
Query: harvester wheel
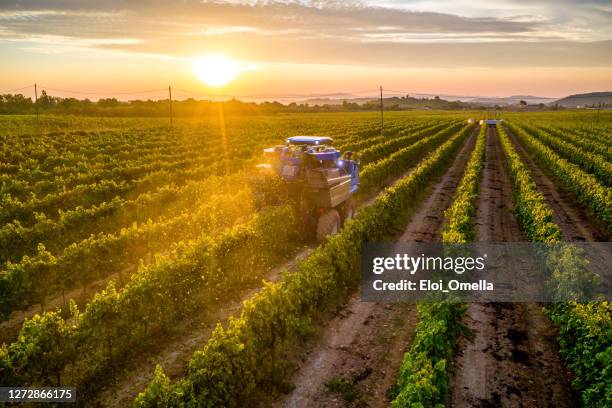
348, 210
328, 224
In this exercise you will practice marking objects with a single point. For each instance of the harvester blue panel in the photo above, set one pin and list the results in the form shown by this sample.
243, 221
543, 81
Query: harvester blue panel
329, 155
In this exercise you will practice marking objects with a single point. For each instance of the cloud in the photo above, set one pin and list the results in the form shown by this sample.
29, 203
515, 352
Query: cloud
410, 33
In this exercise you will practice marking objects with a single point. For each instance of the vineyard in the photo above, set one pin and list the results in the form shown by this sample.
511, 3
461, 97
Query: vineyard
149, 265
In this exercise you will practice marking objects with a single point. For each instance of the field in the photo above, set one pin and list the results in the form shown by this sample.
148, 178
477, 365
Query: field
146, 264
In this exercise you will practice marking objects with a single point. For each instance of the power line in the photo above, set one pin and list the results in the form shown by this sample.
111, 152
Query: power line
277, 96
16, 89
205, 95
397, 92
102, 93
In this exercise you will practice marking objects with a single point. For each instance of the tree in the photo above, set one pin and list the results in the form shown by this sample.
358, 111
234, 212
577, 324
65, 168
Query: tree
45, 101
108, 102
523, 103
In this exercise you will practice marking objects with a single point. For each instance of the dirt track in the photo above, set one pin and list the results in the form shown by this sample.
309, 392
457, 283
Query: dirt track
174, 353
364, 343
512, 361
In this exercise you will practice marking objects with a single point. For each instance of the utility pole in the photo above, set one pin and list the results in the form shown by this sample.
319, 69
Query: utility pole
36, 101
596, 121
170, 98
382, 120
598, 109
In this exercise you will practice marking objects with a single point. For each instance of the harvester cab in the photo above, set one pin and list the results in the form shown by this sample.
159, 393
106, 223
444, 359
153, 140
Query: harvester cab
321, 181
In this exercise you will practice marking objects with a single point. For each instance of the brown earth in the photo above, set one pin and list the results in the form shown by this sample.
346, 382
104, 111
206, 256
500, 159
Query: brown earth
174, 353
364, 344
9, 329
512, 359
574, 222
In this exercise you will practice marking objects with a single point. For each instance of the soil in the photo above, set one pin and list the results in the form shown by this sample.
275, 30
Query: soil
9, 329
364, 343
174, 353
426, 224
512, 359
574, 222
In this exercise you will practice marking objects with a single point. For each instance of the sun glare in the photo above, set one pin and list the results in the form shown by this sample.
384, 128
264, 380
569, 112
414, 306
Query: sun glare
215, 70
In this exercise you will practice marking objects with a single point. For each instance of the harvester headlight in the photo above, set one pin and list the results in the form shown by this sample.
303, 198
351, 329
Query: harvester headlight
340, 163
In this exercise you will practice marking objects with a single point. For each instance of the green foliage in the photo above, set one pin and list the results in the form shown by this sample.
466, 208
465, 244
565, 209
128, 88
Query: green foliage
376, 173
235, 250
345, 387
459, 226
389, 146
585, 328
589, 161
530, 205
589, 191
423, 377
245, 356
176, 196
45, 345
116, 321
103, 254
586, 345
572, 135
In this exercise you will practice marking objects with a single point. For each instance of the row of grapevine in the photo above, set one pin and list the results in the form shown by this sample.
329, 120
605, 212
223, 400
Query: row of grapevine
423, 377
584, 327
34, 278
106, 253
73, 225
89, 175
18, 240
242, 358
117, 322
388, 147
589, 161
399, 128
531, 209
587, 188
381, 171
131, 305
459, 217
579, 141
598, 135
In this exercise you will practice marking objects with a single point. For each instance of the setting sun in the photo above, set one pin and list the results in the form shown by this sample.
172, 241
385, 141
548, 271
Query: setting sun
215, 70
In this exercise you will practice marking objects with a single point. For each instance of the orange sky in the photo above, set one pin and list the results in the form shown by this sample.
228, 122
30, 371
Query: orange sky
489, 48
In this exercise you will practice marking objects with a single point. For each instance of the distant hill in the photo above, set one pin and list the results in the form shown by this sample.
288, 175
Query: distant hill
470, 100
586, 99
510, 100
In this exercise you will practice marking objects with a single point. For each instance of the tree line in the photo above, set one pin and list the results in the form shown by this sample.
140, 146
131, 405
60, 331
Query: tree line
17, 104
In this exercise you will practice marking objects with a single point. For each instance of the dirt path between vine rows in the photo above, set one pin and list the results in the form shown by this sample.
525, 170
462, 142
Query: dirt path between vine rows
573, 221
364, 344
9, 329
512, 360
174, 353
